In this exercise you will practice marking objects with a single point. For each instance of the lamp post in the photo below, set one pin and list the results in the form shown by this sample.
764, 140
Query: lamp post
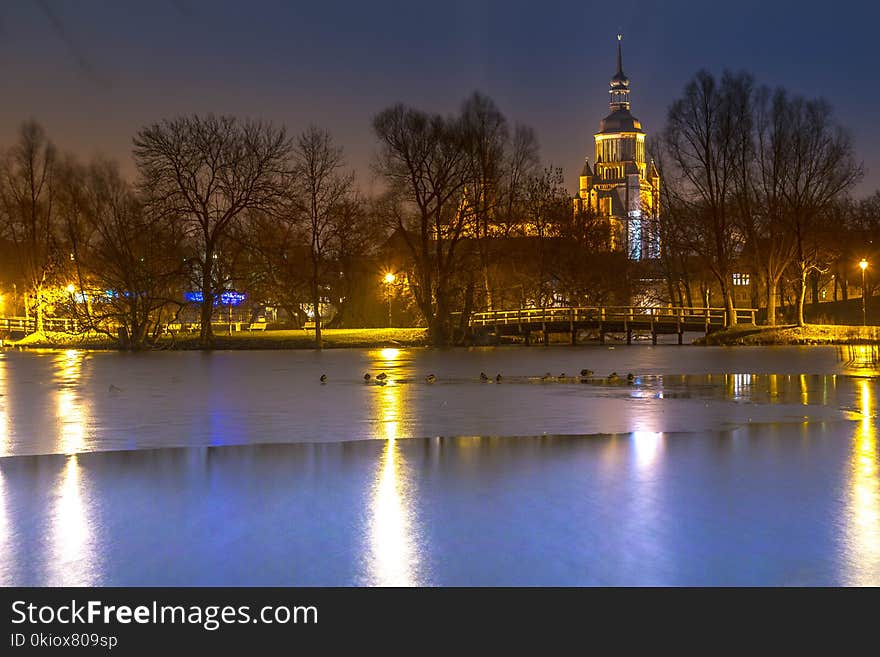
389, 281
863, 264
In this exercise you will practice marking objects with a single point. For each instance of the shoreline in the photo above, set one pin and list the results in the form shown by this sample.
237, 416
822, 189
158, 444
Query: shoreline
737, 336
284, 340
792, 335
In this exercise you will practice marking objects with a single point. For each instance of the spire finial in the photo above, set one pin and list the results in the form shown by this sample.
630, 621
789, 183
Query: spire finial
619, 55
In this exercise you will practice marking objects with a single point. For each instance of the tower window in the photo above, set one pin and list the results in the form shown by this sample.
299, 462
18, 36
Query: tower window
741, 279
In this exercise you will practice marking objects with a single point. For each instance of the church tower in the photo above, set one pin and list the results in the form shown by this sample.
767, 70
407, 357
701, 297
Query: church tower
622, 185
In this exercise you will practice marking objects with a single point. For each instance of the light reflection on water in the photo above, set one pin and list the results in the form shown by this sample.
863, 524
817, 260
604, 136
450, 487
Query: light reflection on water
863, 518
7, 555
786, 504
393, 531
5, 429
863, 360
76, 401
750, 477
71, 560
71, 410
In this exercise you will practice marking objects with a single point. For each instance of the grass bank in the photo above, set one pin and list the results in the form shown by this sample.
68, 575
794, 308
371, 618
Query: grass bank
332, 338
811, 334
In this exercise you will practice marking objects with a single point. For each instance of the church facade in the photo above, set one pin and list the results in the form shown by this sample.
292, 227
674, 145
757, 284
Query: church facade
623, 185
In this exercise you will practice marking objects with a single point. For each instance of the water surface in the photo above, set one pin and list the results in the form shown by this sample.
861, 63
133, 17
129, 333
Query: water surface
241, 468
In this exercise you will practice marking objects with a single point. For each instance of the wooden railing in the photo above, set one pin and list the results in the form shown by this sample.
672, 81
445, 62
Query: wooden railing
715, 317
29, 324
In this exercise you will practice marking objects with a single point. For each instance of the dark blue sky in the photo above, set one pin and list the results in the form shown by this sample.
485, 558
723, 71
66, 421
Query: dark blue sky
94, 72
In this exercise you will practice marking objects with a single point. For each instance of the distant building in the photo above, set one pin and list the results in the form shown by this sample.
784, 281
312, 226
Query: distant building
623, 185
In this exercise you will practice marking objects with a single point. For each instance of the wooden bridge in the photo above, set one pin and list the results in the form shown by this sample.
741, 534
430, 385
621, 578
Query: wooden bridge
609, 319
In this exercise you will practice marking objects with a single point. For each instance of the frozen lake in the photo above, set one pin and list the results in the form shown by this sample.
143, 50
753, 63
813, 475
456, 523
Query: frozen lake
241, 468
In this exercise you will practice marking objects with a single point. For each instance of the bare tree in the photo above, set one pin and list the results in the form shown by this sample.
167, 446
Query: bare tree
762, 217
278, 269
27, 211
676, 256
127, 264
487, 137
704, 139
582, 261
522, 165
356, 232
424, 160
319, 188
208, 171
819, 166
545, 205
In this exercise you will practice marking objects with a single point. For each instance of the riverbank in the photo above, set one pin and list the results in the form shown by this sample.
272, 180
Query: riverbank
811, 334
293, 339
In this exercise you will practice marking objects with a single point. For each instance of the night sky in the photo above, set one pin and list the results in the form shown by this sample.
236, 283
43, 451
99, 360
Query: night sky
94, 72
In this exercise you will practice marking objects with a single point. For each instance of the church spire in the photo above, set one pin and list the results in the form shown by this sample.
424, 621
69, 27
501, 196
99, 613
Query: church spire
619, 83
619, 56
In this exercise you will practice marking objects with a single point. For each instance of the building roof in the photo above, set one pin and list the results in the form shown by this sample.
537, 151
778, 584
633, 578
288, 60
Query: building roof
620, 121
586, 171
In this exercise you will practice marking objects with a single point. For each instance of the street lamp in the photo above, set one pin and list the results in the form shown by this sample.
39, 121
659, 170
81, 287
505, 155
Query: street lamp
864, 265
389, 281
71, 288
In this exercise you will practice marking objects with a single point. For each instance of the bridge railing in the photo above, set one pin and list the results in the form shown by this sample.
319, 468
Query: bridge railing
613, 314
29, 324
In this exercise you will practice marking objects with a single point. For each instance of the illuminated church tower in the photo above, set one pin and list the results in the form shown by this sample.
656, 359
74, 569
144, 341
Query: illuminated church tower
622, 186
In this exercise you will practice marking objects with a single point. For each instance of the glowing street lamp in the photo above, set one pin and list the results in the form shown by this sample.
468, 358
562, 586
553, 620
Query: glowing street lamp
389, 279
863, 264
71, 288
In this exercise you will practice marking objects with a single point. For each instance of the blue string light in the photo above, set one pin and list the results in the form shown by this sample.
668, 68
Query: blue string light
227, 298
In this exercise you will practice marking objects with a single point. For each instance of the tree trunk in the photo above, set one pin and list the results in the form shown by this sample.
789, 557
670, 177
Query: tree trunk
727, 295
814, 286
39, 296
801, 295
730, 307
688, 298
437, 327
490, 302
772, 285
206, 333
316, 304
670, 290
466, 312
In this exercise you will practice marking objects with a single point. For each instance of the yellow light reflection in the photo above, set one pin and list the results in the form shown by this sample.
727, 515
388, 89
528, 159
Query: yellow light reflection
5, 431
394, 555
390, 353
773, 387
72, 560
863, 538
860, 359
739, 386
70, 409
